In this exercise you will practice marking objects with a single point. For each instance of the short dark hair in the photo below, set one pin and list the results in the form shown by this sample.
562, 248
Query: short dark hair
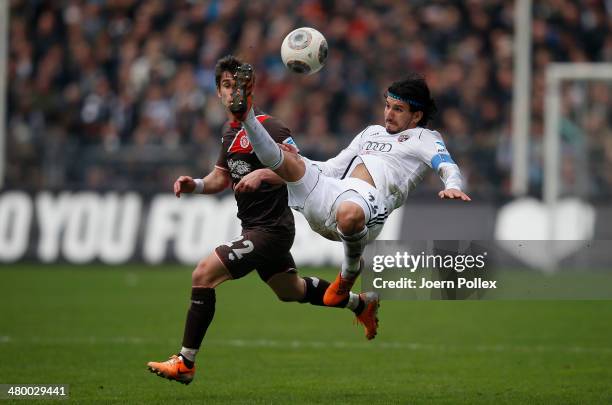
228, 63
414, 91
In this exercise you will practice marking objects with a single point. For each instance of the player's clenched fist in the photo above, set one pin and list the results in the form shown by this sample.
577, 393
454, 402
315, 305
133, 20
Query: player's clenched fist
184, 184
249, 183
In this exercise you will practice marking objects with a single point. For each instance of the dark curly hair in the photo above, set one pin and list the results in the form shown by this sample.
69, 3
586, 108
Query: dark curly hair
228, 63
414, 91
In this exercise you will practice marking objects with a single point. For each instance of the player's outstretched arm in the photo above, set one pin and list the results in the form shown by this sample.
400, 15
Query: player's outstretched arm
433, 152
453, 182
215, 182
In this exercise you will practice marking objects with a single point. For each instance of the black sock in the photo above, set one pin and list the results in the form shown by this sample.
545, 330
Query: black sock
187, 362
199, 316
360, 307
315, 289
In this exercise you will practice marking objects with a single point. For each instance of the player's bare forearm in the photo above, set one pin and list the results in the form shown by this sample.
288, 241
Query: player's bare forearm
453, 181
216, 181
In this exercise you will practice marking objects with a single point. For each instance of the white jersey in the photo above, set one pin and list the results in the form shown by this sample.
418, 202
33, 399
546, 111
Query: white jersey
396, 162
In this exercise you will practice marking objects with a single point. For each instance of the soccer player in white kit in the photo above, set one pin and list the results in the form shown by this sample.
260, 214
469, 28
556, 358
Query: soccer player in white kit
349, 197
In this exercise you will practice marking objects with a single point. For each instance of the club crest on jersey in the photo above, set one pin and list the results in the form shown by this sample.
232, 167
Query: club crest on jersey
403, 137
241, 143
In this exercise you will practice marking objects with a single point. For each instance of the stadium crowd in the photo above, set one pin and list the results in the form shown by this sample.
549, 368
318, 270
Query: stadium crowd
117, 94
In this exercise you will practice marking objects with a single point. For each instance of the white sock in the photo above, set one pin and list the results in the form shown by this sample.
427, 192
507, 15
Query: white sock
189, 354
353, 301
267, 151
353, 249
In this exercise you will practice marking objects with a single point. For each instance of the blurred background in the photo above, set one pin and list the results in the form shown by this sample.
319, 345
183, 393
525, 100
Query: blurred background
119, 95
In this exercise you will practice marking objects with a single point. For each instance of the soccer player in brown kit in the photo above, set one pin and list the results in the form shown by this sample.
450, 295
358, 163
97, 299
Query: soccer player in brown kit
267, 235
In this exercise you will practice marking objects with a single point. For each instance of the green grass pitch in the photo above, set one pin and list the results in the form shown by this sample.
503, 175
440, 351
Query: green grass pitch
95, 327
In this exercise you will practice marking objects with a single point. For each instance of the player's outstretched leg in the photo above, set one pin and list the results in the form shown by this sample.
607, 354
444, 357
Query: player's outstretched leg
350, 218
287, 165
364, 306
241, 107
180, 367
289, 287
310, 290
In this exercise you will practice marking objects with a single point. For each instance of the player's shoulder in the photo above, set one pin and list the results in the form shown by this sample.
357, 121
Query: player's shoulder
264, 117
267, 119
229, 129
426, 134
275, 126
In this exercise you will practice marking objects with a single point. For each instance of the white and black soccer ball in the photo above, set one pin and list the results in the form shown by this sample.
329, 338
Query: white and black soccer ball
304, 51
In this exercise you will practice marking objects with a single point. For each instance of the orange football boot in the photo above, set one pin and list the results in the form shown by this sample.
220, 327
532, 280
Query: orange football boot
369, 316
173, 369
242, 95
339, 290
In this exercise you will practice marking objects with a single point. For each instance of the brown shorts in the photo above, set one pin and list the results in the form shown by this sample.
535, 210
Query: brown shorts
266, 252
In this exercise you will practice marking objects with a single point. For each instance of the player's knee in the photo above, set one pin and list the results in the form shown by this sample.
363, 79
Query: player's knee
198, 276
203, 276
350, 218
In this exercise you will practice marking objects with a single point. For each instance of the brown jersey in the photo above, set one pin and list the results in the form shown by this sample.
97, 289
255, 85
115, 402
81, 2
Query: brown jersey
267, 207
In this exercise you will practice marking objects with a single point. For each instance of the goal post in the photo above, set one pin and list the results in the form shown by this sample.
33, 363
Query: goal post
521, 114
4, 53
556, 74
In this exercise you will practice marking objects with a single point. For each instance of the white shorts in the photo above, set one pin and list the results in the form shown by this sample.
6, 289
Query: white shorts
317, 197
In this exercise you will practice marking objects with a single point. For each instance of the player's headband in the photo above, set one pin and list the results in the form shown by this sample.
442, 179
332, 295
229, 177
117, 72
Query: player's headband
405, 100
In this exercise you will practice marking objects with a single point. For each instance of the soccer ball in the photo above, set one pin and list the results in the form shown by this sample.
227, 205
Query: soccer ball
304, 51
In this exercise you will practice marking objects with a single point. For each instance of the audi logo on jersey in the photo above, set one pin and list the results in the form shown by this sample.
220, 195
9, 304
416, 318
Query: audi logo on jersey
378, 146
